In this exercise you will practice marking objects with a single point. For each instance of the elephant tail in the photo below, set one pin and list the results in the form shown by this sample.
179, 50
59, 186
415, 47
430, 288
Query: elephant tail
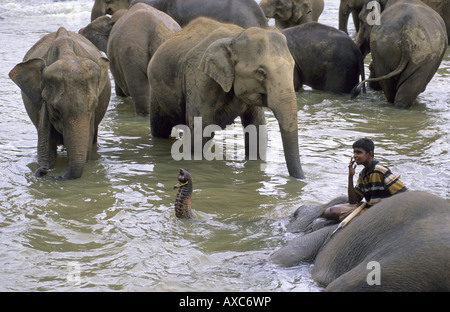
400, 68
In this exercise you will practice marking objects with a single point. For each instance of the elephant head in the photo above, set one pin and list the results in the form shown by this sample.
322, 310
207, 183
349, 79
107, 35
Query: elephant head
286, 10
103, 7
64, 96
258, 66
99, 29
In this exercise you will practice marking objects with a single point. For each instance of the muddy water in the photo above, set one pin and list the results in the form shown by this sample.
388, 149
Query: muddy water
115, 228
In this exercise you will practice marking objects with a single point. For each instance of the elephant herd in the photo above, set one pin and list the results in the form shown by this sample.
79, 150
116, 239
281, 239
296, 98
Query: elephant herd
219, 60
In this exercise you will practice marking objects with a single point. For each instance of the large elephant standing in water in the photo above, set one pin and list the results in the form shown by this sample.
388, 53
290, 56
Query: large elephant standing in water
407, 45
131, 39
221, 71
66, 91
399, 244
244, 13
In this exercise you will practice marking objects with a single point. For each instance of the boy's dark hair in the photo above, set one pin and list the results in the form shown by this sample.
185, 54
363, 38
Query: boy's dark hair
366, 144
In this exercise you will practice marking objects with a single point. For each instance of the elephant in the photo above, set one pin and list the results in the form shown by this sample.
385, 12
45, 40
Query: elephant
399, 244
345, 8
66, 91
133, 38
325, 58
220, 71
442, 7
407, 48
289, 13
103, 7
244, 13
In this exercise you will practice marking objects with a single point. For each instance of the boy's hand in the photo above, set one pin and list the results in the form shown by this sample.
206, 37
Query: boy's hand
351, 167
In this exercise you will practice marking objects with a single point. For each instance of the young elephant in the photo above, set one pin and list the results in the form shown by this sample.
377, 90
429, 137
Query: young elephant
325, 58
407, 48
66, 91
219, 72
134, 36
289, 13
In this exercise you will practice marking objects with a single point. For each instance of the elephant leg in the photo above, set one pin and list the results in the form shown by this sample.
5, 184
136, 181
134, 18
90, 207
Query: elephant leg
119, 91
160, 124
255, 144
411, 84
303, 248
139, 91
355, 16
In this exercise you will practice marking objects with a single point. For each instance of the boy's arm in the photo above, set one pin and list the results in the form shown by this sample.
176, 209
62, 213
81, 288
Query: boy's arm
353, 197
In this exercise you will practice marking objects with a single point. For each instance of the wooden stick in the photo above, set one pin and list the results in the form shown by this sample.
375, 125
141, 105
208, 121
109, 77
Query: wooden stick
350, 217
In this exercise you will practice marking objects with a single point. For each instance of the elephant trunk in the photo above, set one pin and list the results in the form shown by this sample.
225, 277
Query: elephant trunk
183, 199
283, 103
78, 139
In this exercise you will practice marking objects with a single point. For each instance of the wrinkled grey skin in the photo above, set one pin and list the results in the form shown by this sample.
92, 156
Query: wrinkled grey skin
66, 91
345, 8
336, 68
219, 72
407, 234
289, 13
244, 13
103, 7
407, 48
133, 38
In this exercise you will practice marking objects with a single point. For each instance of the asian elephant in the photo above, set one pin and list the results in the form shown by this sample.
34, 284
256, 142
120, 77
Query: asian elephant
345, 8
407, 48
336, 68
103, 7
404, 237
66, 91
244, 13
219, 72
133, 39
288, 13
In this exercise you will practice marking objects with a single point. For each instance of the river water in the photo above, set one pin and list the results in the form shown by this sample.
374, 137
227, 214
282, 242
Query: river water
115, 228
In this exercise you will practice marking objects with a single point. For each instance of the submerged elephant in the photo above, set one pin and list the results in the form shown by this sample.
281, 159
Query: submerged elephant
244, 13
405, 237
103, 7
336, 68
66, 91
288, 13
345, 8
133, 38
407, 48
219, 72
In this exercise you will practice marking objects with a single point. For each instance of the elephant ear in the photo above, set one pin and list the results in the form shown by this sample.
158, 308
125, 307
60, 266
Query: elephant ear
217, 64
103, 62
27, 76
300, 8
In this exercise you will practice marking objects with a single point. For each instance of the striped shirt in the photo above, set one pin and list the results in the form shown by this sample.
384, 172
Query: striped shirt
377, 184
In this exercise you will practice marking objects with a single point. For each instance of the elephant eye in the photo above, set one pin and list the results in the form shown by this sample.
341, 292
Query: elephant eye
261, 73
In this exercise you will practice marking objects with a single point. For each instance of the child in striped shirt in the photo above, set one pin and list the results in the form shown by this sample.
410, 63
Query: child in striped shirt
375, 181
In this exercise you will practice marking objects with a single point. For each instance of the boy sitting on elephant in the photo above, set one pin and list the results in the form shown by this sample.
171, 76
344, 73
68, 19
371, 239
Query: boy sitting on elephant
375, 182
